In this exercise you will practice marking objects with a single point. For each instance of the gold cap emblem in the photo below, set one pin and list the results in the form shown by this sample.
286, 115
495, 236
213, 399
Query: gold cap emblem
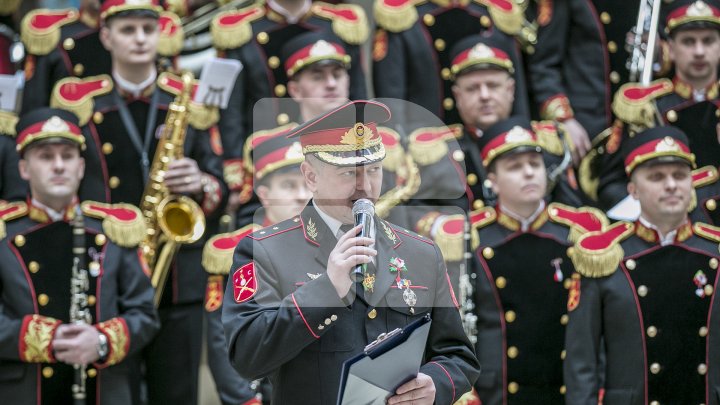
668, 144
481, 51
699, 9
294, 152
518, 134
322, 48
55, 124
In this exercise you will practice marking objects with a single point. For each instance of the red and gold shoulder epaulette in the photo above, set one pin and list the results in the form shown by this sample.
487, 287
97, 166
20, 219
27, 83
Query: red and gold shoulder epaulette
10, 211
171, 38
8, 121
632, 103
396, 15
218, 252
709, 232
76, 95
394, 152
704, 175
549, 137
450, 237
406, 172
482, 217
505, 14
231, 29
123, 223
201, 116
429, 145
349, 21
40, 29
557, 108
598, 254
580, 220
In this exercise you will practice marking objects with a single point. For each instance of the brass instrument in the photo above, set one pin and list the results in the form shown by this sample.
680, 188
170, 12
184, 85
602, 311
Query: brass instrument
79, 313
642, 53
171, 219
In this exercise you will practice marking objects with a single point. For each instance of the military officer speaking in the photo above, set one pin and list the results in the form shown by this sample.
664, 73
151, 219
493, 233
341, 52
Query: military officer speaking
298, 316
646, 296
76, 300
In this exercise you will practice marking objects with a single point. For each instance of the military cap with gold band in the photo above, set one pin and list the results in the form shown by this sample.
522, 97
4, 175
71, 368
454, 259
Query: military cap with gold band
313, 48
664, 144
513, 135
48, 125
692, 14
111, 8
267, 152
347, 135
479, 52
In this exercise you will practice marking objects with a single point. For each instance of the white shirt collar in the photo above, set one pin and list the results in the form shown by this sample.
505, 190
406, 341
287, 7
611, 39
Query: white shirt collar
525, 222
664, 239
51, 213
699, 95
289, 17
132, 88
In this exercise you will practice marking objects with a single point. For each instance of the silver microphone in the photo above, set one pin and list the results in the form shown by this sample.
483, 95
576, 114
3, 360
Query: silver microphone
363, 210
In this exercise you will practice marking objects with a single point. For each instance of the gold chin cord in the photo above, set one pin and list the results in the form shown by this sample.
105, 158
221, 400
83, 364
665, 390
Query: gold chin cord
171, 220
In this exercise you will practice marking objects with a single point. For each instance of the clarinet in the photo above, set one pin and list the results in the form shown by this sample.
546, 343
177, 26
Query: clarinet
79, 313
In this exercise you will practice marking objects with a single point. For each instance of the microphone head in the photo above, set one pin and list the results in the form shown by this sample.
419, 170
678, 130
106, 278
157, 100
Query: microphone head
363, 206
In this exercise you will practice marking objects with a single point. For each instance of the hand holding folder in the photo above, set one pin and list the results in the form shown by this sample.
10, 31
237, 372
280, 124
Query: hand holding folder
393, 359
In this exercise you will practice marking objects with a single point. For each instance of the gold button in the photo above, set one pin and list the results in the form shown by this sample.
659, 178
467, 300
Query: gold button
448, 103
19, 241
702, 369
47, 372
564, 319
563, 354
107, 148
563, 390
372, 314
605, 17
92, 373
485, 21
34, 267
530, 49
429, 20
488, 253
703, 331
280, 90
654, 403
612, 46
615, 77
567, 283
512, 352
500, 282
472, 179
100, 239
513, 387
713, 263
440, 44
510, 316
717, 113
113, 182
458, 156
263, 38
68, 44
445, 73
671, 116
321, 327
651, 331
91, 300
94, 266
327, 321
283, 119
273, 62
630, 264
642, 291
43, 299
78, 69
709, 290
655, 368
477, 204
98, 117
711, 205
333, 318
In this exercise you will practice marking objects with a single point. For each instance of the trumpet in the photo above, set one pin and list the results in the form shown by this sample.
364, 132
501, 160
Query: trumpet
640, 64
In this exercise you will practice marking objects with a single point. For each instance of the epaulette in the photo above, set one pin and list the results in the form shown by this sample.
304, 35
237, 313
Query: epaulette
218, 252
396, 15
450, 237
122, 223
171, 38
598, 254
8, 121
557, 108
429, 145
505, 14
201, 116
633, 102
708, 232
276, 229
10, 211
76, 94
394, 152
482, 217
8, 7
704, 175
402, 231
349, 21
40, 29
231, 29
580, 220
407, 174
548, 137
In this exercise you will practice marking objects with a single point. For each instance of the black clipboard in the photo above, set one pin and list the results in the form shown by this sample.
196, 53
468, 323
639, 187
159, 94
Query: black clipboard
385, 364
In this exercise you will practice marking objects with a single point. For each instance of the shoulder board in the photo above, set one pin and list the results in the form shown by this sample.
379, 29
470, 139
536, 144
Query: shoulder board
201, 116
429, 145
171, 38
10, 211
394, 152
505, 14
396, 15
76, 95
8, 121
218, 252
549, 137
598, 254
704, 176
349, 21
632, 103
579, 220
403, 231
276, 229
232, 29
450, 237
40, 29
8, 7
123, 223
709, 232
482, 217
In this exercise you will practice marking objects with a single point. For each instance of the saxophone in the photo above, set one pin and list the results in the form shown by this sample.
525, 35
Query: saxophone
79, 312
171, 220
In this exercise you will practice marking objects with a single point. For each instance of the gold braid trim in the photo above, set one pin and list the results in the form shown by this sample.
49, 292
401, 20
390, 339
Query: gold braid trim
424, 225
639, 111
229, 36
41, 41
396, 18
576, 229
352, 32
8, 121
219, 261
452, 245
711, 176
8, 6
36, 335
171, 43
709, 232
428, 152
203, 117
118, 338
400, 193
83, 106
509, 22
10, 211
124, 233
179, 7
596, 263
548, 137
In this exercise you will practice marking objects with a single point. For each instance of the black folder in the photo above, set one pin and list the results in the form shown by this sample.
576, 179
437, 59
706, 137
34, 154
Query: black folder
385, 364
